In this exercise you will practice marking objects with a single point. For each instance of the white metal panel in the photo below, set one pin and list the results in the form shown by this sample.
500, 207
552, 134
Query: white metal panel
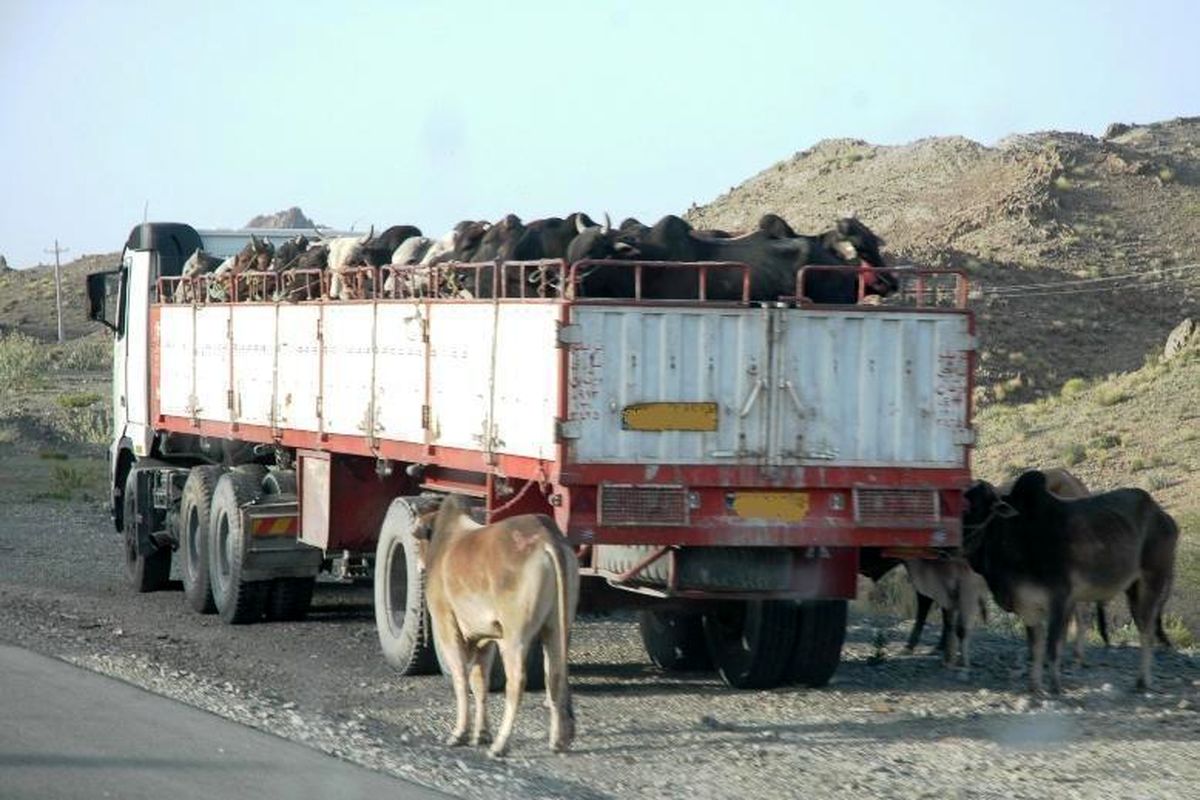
400, 376
346, 390
862, 388
298, 379
526, 385
793, 386
176, 344
460, 356
254, 364
212, 363
628, 355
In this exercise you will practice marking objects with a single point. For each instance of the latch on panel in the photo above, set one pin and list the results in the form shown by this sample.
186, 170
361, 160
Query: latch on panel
567, 429
569, 335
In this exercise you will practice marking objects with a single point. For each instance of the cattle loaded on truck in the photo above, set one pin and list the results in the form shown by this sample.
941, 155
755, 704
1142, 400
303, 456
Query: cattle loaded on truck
718, 423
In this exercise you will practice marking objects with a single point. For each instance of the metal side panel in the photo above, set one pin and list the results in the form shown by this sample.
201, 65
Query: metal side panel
348, 342
212, 363
869, 388
460, 354
625, 356
253, 363
526, 386
176, 343
299, 368
400, 372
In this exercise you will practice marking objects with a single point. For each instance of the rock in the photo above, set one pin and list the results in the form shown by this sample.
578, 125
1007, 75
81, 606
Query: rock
1116, 129
289, 218
4, 267
1180, 338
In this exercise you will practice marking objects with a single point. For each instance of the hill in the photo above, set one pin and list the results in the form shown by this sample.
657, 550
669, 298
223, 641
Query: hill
27, 298
1035, 209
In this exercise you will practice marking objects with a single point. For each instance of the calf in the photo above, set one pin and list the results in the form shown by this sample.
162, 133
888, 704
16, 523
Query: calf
513, 582
1041, 555
959, 590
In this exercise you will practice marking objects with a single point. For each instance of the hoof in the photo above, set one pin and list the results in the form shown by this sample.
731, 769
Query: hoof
483, 737
498, 751
456, 740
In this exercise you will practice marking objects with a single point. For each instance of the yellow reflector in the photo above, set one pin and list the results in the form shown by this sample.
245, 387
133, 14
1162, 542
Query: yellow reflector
669, 417
782, 506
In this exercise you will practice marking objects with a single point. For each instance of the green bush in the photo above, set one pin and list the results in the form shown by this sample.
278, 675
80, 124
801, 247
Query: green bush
78, 399
91, 353
1074, 387
1074, 454
23, 361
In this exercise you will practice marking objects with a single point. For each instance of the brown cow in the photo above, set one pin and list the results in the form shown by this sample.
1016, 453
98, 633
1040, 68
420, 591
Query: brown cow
513, 582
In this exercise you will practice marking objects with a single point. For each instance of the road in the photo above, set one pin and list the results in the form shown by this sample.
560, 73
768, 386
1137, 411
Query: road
70, 733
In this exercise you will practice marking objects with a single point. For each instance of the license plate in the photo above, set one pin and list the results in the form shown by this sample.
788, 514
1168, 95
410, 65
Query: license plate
779, 506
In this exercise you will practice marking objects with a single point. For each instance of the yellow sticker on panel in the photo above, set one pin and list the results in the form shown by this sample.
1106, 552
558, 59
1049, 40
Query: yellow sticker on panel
670, 417
781, 506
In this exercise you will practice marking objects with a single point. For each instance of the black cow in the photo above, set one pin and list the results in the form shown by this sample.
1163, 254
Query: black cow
1041, 555
287, 255
377, 250
773, 258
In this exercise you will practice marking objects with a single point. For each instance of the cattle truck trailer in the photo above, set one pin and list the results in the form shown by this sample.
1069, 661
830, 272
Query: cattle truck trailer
723, 462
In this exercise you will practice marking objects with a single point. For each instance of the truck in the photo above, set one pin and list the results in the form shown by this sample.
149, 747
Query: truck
719, 465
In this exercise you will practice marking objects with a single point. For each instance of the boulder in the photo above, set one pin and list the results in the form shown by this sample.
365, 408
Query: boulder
1180, 339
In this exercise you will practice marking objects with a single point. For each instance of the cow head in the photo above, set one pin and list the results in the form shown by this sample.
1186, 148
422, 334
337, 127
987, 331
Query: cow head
855, 243
775, 227
600, 242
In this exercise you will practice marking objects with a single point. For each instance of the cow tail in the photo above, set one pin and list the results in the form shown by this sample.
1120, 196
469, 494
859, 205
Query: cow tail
560, 574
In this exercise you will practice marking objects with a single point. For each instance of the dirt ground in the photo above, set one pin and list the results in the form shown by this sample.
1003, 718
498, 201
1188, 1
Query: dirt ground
890, 724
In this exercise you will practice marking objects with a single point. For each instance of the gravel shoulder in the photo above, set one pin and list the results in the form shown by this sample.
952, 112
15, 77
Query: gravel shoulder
889, 725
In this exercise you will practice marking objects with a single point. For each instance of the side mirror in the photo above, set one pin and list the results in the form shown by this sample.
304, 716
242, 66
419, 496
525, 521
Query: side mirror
104, 298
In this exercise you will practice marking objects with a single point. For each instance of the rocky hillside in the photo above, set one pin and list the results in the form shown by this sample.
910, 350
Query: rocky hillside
288, 218
1035, 209
27, 298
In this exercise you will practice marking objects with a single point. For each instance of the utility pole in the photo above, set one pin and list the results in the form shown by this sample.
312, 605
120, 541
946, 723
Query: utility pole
58, 285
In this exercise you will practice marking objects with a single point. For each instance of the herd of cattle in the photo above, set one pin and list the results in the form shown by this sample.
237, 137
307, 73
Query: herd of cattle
1046, 548
1043, 545
408, 263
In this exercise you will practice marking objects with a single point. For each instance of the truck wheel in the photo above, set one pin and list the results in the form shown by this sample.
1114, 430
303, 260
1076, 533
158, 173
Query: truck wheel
195, 507
289, 599
674, 639
750, 642
818, 649
146, 573
401, 618
238, 601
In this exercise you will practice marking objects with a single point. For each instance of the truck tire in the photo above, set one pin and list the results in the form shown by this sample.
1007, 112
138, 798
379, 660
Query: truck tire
535, 669
195, 510
674, 639
146, 573
818, 648
401, 618
751, 641
290, 598
238, 601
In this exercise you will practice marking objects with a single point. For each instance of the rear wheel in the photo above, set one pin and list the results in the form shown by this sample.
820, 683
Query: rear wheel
818, 648
195, 509
290, 598
751, 641
401, 617
238, 600
145, 572
674, 639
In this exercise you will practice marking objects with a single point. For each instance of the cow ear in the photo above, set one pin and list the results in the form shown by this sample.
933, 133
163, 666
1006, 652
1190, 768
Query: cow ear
625, 249
1003, 510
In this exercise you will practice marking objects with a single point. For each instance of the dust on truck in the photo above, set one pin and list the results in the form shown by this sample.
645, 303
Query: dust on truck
722, 462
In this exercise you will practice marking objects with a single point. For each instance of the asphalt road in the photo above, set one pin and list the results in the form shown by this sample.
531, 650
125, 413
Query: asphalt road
68, 733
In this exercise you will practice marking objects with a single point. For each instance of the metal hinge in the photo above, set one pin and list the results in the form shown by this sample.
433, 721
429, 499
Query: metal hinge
565, 429
320, 406
229, 399
425, 329
320, 329
569, 335
426, 414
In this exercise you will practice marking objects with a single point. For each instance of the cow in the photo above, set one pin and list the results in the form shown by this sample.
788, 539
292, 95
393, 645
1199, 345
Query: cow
1041, 555
377, 251
409, 254
287, 255
255, 256
960, 591
303, 282
345, 253
198, 263
773, 261
513, 582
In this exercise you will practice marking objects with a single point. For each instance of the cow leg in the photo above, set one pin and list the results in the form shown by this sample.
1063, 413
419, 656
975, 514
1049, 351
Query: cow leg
923, 605
558, 692
953, 626
1148, 595
454, 659
1036, 634
1081, 630
944, 639
513, 652
1055, 638
481, 668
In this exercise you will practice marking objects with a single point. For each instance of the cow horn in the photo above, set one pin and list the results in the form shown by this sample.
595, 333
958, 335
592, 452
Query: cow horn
607, 224
370, 234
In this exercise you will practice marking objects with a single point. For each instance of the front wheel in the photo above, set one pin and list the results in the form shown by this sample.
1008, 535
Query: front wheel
145, 572
751, 641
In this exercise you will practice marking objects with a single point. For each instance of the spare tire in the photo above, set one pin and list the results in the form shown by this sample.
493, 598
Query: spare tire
401, 617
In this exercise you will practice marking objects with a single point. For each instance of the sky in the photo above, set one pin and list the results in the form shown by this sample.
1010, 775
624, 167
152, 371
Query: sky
420, 112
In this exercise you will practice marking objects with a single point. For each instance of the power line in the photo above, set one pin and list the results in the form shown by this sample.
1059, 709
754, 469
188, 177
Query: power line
1025, 288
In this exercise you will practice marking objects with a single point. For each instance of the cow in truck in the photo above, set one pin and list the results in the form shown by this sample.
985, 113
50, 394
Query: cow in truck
722, 454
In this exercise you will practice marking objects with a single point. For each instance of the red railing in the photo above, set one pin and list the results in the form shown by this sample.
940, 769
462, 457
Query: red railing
913, 283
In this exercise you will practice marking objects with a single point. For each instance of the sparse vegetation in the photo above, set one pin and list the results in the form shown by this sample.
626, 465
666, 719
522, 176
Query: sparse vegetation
1074, 454
1074, 387
23, 361
75, 400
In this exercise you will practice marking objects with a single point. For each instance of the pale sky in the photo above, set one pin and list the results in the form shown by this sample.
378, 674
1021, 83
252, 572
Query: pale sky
430, 112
